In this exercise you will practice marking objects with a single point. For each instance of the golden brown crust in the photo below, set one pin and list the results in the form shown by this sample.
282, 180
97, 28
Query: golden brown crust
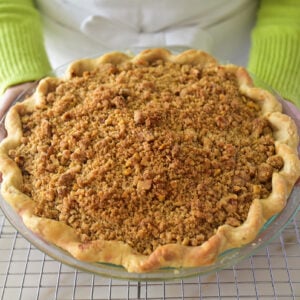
172, 255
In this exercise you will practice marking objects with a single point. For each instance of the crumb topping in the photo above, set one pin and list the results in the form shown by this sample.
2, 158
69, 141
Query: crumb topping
148, 154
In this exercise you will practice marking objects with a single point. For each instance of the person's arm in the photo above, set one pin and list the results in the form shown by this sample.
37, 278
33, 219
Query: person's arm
275, 51
23, 56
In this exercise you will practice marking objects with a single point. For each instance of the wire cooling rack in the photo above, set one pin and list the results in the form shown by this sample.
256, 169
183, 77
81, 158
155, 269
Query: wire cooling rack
27, 273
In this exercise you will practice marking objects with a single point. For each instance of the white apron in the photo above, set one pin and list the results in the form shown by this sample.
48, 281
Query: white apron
77, 28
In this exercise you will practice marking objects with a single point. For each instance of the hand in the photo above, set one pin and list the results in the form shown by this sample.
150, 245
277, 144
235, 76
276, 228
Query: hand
291, 110
8, 98
294, 112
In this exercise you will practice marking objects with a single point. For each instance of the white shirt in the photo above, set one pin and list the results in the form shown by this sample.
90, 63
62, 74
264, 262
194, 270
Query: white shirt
76, 28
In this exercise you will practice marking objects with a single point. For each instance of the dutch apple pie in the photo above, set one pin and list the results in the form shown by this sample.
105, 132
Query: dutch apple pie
149, 160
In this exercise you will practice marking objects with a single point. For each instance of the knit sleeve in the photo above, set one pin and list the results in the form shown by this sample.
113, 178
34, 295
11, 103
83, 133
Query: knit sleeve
22, 53
275, 52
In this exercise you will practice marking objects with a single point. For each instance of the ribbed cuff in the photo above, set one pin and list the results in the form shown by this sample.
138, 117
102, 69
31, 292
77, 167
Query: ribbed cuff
275, 59
22, 53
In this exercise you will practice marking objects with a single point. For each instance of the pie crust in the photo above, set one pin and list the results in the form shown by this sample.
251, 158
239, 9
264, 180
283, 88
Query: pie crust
175, 255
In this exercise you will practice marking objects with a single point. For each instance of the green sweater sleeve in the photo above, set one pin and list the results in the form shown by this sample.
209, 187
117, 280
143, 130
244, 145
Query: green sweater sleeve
22, 53
275, 52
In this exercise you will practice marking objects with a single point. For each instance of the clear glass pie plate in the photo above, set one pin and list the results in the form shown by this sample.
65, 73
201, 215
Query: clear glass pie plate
270, 231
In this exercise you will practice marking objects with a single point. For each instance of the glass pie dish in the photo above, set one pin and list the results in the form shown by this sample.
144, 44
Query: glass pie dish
270, 230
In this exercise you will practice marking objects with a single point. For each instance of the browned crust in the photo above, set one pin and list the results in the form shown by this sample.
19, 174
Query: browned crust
171, 255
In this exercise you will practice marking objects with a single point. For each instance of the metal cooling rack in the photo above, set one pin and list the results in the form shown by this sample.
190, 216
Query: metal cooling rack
27, 273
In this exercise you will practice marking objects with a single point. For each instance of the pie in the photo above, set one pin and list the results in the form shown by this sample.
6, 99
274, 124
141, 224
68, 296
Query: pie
150, 160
